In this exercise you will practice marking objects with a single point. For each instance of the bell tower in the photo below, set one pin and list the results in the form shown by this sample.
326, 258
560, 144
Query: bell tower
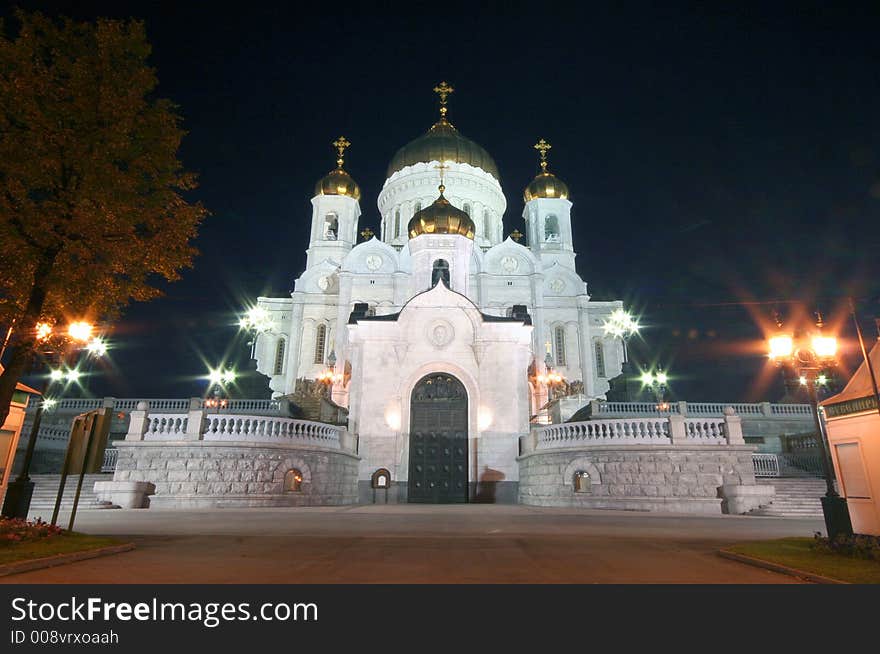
547, 215
335, 212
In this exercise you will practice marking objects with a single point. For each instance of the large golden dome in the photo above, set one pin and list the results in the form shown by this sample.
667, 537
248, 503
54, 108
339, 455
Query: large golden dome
441, 218
443, 143
338, 181
546, 185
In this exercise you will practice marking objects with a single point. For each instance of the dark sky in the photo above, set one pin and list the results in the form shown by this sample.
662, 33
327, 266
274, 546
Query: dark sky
715, 157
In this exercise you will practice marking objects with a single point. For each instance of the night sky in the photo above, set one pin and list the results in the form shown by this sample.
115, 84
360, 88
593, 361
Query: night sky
719, 160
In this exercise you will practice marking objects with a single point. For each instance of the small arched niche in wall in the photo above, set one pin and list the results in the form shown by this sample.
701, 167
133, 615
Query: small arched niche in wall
582, 482
381, 479
293, 481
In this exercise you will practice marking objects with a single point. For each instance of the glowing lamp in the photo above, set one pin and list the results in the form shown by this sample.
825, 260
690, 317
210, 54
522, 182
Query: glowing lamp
80, 331
43, 330
647, 378
73, 375
781, 346
97, 347
56, 375
662, 378
825, 347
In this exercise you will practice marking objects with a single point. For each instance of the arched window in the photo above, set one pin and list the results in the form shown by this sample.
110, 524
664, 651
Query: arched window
485, 227
417, 208
559, 338
600, 359
279, 357
581, 482
440, 271
331, 226
467, 209
293, 481
551, 228
320, 343
397, 222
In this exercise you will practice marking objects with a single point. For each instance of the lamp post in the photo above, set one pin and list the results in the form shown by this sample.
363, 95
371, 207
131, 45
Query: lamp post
17, 502
256, 321
809, 354
657, 382
219, 379
620, 324
551, 379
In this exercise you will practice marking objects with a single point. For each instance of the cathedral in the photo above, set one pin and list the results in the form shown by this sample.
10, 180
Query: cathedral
439, 335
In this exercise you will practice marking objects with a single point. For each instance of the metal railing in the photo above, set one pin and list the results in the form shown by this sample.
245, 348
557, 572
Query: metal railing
765, 465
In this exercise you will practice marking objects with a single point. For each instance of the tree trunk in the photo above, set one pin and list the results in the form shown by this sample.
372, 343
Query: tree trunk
23, 347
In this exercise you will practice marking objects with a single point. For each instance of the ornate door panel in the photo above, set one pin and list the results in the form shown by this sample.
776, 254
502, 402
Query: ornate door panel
438, 441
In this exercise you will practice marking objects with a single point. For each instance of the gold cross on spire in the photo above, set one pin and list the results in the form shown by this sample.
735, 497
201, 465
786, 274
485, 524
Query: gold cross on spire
341, 144
443, 90
442, 168
542, 146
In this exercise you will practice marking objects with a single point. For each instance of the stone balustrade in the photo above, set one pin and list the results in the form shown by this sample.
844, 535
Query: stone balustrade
262, 428
699, 409
202, 424
672, 429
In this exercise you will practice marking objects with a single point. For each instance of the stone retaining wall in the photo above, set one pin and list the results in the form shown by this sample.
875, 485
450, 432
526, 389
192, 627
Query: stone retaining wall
237, 474
675, 478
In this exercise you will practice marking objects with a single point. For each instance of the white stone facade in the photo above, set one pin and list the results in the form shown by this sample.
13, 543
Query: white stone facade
377, 363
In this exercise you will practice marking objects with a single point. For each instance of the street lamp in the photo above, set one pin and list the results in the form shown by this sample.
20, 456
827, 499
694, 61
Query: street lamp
19, 491
219, 379
657, 382
551, 379
256, 321
809, 354
620, 324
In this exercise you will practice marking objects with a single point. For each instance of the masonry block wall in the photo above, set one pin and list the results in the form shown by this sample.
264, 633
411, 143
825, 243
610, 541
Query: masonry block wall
651, 478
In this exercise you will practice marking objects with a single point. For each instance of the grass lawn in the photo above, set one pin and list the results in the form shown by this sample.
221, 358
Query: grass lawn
796, 553
63, 544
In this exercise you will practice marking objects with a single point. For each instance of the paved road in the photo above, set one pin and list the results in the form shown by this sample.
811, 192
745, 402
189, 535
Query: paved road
418, 544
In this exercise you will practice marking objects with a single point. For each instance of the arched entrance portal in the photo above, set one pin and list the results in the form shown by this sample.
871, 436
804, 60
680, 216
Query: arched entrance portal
438, 441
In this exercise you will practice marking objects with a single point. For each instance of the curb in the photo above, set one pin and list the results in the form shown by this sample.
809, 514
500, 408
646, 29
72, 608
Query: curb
778, 567
61, 559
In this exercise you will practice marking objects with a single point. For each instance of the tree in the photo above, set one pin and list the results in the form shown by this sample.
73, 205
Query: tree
92, 211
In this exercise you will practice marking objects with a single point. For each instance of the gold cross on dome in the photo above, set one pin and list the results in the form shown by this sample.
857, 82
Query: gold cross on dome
542, 146
442, 167
366, 233
443, 90
341, 144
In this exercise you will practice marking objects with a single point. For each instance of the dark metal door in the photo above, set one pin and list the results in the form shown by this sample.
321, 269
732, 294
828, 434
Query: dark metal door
438, 439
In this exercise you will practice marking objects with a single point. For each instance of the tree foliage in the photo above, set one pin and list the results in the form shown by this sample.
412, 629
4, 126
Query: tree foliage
92, 206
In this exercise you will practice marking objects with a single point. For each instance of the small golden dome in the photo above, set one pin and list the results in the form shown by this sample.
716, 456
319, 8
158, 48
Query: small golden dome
441, 218
338, 181
546, 185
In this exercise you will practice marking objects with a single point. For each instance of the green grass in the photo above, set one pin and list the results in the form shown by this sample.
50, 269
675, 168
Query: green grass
63, 544
796, 553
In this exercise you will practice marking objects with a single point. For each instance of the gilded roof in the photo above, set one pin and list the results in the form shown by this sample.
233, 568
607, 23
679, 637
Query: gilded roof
545, 185
441, 217
443, 143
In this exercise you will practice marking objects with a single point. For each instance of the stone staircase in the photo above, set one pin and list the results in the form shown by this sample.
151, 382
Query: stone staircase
46, 490
796, 497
